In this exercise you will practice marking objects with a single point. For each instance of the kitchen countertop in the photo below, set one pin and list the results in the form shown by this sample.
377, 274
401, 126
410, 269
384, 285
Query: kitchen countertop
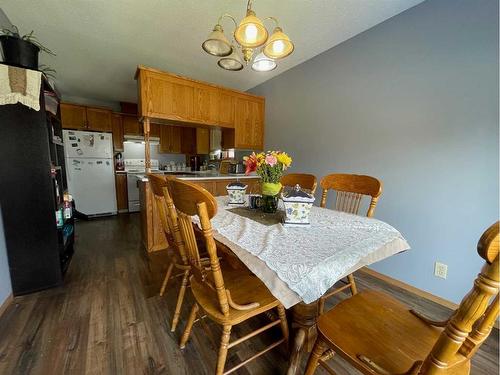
209, 175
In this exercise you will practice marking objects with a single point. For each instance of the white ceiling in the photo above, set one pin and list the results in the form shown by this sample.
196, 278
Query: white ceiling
99, 43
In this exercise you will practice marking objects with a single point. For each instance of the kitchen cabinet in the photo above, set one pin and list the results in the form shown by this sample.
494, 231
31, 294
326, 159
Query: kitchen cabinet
195, 141
73, 116
202, 141
170, 139
98, 119
121, 192
206, 104
226, 108
131, 125
80, 117
249, 123
117, 130
154, 130
168, 98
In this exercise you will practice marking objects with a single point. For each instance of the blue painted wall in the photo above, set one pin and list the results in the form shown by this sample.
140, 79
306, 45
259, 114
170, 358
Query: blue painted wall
5, 285
413, 101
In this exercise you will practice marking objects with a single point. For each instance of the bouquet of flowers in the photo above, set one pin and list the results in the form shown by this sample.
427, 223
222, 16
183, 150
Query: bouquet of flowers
269, 166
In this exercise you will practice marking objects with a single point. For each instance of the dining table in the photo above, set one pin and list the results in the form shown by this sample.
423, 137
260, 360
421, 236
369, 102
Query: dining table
298, 264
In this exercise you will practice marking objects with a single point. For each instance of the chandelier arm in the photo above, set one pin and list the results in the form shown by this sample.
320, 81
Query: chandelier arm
273, 19
249, 4
227, 15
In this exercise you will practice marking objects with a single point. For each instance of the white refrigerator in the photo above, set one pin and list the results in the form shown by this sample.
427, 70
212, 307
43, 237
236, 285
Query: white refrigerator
90, 172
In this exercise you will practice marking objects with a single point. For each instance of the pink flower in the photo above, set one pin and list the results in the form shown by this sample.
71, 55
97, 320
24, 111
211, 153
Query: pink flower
271, 160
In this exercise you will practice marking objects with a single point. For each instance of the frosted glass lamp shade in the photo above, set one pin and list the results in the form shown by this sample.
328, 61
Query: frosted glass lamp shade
251, 32
232, 62
278, 45
262, 63
217, 44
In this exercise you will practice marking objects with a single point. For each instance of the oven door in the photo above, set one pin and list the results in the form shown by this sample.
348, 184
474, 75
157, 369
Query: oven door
133, 192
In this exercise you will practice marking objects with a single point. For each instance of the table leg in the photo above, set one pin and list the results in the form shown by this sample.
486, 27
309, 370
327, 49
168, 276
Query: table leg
304, 317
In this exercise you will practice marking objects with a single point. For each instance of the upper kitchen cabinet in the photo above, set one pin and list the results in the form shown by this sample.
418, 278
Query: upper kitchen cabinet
226, 108
171, 99
206, 104
165, 96
131, 125
249, 122
85, 118
73, 116
170, 139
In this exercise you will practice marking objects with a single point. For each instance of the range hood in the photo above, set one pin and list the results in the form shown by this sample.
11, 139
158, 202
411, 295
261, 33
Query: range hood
140, 139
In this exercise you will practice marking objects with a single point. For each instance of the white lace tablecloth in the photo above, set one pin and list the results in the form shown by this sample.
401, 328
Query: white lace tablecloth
302, 263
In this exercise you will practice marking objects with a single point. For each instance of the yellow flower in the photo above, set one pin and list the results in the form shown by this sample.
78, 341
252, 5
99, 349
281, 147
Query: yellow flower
284, 159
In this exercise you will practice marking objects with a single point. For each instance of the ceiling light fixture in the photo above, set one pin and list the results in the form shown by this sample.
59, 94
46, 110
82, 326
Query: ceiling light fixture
262, 63
249, 34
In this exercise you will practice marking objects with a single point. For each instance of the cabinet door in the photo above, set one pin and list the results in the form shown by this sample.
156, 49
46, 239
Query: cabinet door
170, 139
202, 141
243, 124
154, 130
206, 99
249, 123
98, 119
121, 191
131, 126
73, 116
168, 97
226, 108
188, 140
258, 108
176, 140
117, 129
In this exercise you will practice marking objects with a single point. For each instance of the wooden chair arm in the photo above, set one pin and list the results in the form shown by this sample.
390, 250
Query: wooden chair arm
382, 371
434, 323
234, 305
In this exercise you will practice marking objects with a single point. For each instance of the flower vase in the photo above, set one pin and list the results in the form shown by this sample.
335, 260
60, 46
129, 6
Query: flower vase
270, 193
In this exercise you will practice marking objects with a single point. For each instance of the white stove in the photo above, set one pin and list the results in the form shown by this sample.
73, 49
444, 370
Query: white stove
139, 165
134, 169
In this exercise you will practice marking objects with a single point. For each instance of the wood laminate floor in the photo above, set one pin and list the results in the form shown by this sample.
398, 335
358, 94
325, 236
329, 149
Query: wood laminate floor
109, 319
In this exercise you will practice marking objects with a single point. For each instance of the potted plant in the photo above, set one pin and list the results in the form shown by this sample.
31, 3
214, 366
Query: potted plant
20, 50
270, 167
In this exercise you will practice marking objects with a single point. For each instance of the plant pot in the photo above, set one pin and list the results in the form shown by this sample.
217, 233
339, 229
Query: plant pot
18, 52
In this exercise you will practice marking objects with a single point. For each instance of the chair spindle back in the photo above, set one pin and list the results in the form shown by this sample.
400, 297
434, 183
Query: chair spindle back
350, 189
473, 320
305, 180
168, 214
192, 200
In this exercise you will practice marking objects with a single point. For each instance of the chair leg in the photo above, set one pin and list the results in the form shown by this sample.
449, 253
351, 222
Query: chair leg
167, 277
354, 290
318, 350
224, 341
189, 326
283, 322
180, 299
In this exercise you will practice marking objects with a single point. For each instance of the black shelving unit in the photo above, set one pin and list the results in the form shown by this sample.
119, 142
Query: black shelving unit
32, 184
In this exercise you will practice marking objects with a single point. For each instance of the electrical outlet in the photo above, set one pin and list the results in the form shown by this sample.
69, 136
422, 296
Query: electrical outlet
440, 270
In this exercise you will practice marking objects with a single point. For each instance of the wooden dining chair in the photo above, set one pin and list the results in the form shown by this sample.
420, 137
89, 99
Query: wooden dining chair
305, 180
377, 334
177, 255
350, 189
228, 298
